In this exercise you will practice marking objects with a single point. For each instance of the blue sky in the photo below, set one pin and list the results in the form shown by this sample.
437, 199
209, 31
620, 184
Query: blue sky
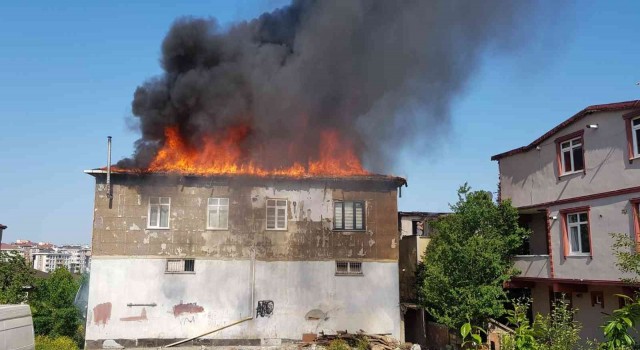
68, 71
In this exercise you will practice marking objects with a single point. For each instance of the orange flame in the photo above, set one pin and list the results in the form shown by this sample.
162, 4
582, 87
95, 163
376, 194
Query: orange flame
222, 154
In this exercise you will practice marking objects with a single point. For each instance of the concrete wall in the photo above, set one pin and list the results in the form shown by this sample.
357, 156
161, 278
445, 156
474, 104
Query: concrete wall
536, 266
531, 178
219, 293
607, 215
122, 229
412, 249
295, 268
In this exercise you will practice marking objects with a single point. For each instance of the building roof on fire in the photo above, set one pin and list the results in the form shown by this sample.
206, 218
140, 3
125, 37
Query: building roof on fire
616, 106
396, 180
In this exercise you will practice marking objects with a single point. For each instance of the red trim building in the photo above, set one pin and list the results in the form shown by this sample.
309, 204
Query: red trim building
574, 187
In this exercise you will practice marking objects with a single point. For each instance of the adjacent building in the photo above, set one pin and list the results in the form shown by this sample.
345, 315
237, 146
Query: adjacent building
178, 256
415, 230
573, 187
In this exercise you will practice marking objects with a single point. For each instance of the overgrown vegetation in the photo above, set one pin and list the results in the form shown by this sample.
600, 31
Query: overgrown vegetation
628, 260
55, 318
44, 342
554, 331
15, 274
468, 260
338, 344
52, 306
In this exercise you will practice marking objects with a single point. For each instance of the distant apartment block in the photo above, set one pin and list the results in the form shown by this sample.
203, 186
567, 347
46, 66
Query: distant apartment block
47, 257
573, 187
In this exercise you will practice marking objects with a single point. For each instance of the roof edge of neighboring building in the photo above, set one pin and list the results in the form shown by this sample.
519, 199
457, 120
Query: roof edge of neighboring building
422, 213
616, 106
397, 180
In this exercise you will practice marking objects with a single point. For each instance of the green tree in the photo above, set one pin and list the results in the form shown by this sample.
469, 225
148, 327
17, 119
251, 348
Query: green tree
15, 274
468, 260
52, 306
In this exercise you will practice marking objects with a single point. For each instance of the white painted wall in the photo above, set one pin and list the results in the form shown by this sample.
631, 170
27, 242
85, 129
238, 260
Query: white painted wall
222, 288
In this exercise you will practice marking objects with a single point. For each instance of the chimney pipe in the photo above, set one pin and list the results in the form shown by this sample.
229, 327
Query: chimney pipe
109, 194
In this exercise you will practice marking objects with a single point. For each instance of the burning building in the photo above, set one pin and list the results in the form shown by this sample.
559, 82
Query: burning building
176, 256
246, 199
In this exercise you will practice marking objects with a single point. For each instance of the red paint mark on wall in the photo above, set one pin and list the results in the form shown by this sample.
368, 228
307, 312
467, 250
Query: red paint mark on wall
142, 317
190, 308
102, 313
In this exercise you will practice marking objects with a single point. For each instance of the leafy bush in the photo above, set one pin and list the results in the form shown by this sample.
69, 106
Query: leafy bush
555, 331
52, 305
338, 344
44, 342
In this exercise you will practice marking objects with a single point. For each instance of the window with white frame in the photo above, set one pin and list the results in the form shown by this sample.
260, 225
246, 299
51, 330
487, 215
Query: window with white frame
572, 157
578, 231
635, 132
159, 208
276, 214
348, 268
218, 214
348, 215
180, 265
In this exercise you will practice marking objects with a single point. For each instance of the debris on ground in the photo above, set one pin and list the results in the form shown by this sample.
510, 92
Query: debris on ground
359, 340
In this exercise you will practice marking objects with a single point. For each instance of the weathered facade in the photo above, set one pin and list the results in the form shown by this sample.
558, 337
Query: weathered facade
177, 256
573, 187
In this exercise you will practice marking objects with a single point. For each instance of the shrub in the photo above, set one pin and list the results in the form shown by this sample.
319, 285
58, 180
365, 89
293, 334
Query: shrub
338, 344
58, 343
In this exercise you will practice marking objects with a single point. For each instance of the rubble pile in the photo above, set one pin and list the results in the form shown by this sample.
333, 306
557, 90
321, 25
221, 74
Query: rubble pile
357, 340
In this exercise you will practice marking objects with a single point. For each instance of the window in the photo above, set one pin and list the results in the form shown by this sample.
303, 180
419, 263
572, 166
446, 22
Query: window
348, 268
578, 227
159, 212
348, 215
218, 214
572, 156
575, 231
635, 133
635, 212
180, 265
276, 214
597, 298
417, 228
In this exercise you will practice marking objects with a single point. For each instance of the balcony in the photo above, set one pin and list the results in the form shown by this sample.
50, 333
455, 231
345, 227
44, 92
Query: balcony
535, 266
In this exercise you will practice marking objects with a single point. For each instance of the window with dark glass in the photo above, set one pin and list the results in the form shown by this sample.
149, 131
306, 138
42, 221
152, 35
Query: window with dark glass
348, 215
572, 156
578, 229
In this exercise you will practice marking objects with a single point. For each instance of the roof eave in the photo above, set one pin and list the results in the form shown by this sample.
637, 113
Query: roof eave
616, 106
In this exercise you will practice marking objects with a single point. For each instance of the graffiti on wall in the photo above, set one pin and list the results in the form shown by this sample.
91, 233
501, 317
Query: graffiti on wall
265, 308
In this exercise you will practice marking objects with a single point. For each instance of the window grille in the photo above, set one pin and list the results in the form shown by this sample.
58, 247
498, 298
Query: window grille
348, 268
180, 265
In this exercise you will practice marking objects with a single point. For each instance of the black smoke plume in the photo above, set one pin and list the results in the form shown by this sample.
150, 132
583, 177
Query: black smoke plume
382, 72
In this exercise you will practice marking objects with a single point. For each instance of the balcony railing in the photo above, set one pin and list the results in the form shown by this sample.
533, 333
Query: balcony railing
533, 265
